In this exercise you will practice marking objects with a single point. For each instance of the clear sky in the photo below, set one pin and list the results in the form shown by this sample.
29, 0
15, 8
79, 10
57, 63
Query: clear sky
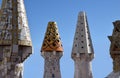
100, 14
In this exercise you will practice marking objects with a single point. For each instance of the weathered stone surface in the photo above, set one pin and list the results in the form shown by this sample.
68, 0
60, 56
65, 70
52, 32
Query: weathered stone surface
115, 50
52, 64
15, 40
82, 52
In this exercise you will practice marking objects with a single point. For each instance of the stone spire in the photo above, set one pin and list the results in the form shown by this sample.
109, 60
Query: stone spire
52, 51
115, 50
82, 51
15, 40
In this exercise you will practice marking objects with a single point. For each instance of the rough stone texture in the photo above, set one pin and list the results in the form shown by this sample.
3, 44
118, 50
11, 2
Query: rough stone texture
52, 65
10, 68
15, 40
82, 52
115, 50
83, 66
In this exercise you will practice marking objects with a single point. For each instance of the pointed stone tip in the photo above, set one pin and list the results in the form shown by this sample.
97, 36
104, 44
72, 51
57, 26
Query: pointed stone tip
82, 13
21, 34
52, 40
82, 39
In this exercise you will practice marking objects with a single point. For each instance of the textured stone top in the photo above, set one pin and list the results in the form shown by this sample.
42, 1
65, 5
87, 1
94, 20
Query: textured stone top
82, 40
13, 24
52, 41
14, 30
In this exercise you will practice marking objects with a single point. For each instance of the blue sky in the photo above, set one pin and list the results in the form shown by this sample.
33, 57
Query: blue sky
100, 14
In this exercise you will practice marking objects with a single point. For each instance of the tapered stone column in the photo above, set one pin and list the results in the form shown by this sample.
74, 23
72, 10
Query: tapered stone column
82, 51
52, 51
15, 40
